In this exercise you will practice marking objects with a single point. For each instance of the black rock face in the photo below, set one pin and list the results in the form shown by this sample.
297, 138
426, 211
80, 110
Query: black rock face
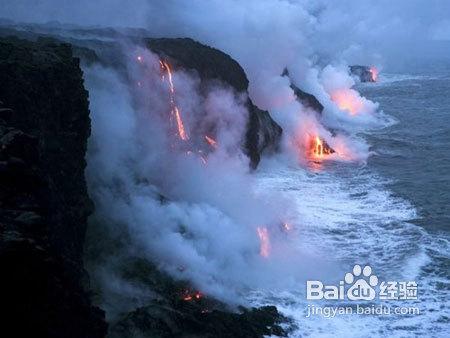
170, 314
189, 321
308, 100
44, 205
263, 133
210, 63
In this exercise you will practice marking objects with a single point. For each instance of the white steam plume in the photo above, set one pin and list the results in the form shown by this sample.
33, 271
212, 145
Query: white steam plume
207, 229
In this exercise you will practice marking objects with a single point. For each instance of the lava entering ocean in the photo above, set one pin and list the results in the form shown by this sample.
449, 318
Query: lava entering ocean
374, 72
318, 149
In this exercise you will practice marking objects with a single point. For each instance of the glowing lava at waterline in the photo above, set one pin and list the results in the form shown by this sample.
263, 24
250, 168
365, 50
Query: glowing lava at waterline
374, 72
319, 149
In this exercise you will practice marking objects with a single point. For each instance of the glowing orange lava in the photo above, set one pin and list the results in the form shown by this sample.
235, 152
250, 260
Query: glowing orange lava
211, 141
175, 111
188, 296
319, 149
176, 120
264, 239
374, 72
347, 99
180, 125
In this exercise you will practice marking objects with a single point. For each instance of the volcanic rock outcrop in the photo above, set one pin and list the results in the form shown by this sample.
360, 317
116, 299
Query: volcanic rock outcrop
44, 205
364, 73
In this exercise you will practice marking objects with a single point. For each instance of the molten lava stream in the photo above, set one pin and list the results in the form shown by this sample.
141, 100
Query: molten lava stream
175, 111
317, 152
211, 141
180, 126
319, 149
374, 72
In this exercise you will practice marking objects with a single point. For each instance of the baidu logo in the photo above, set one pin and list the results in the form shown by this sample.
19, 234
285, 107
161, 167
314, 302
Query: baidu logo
360, 285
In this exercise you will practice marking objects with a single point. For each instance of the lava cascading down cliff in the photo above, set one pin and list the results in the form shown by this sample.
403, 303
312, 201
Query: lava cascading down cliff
176, 172
197, 117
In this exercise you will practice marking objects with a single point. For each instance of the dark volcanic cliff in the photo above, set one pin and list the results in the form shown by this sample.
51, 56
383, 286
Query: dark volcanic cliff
44, 126
263, 133
44, 205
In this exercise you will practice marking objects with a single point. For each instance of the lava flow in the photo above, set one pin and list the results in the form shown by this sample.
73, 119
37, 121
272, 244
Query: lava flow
175, 117
374, 73
264, 239
189, 296
319, 148
175, 111
212, 142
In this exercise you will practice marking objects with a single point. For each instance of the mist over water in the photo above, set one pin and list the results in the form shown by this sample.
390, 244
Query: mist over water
389, 213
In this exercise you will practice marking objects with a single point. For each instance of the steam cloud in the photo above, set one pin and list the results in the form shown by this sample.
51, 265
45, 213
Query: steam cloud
205, 227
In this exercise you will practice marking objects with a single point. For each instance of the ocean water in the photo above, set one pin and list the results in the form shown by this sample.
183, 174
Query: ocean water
392, 213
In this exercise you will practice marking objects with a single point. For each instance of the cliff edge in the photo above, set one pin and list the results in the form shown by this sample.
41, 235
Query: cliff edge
44, 205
